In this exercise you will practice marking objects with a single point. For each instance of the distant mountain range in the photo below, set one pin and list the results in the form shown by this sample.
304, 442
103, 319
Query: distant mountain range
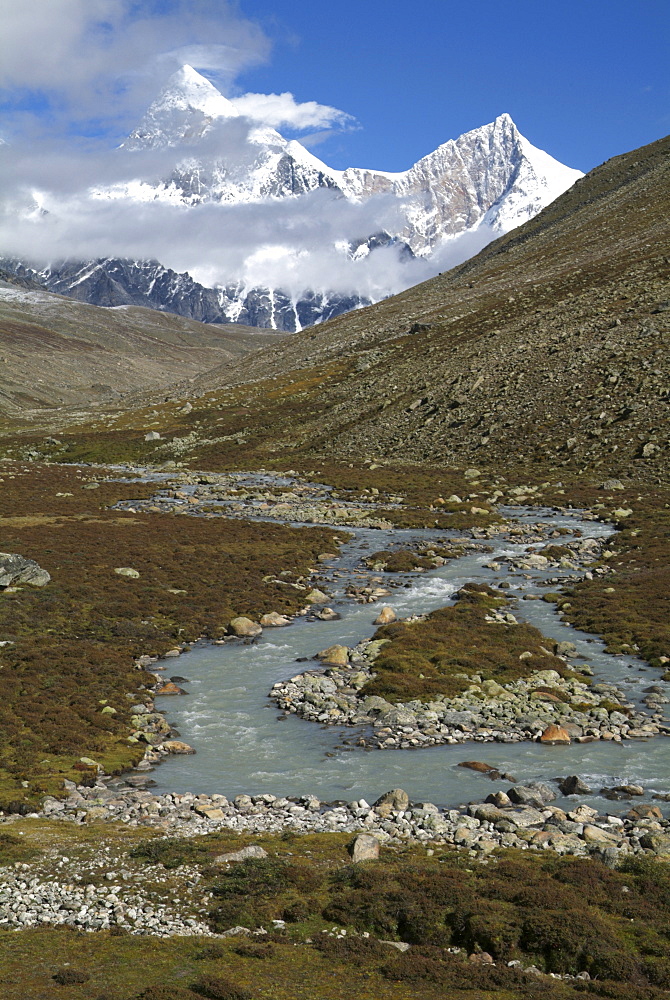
471, 189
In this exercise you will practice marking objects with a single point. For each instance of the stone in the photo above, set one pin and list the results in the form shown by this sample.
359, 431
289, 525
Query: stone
554, 735
385, 617
177, 746
127, 571
244, 627
478, 765
565, 648
481, 958
595, 835
274, 620
169, 688
659, 843
573, 785
209, 812
316, 596
328, 615
489, 813
397, 799
582, 814
499, 799
364, 848
612, 484
337, 656
644, 811
629, 789
152, 436
533, 794
251, 851
15, 569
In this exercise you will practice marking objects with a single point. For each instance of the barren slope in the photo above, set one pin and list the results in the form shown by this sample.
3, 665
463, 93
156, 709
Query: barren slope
551, 344
55, 352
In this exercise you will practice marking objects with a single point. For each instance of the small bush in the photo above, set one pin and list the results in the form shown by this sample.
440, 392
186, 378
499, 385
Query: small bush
68, 976
215, 988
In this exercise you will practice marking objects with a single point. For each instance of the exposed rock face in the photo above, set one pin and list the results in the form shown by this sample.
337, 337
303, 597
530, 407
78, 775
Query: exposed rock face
117, 282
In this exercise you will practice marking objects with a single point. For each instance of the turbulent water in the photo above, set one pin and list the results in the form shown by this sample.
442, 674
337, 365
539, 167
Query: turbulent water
244, 744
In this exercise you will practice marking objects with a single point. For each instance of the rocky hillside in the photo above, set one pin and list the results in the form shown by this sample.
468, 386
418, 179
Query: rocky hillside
550, 346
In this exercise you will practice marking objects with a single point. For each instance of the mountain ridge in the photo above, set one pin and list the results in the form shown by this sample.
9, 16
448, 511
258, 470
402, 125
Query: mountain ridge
450, 202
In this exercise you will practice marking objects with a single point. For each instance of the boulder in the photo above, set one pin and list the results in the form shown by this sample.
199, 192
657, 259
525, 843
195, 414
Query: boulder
274, 620
499, 799
328, 615
244, 627
533, 794
629, 789
397, 799
385, 617
209, 812
169, 688
15, 568
127, 571
316, 596
573, 785
177, 746
337, 656
659, 843
596, 835
364, 848
478, 765
565, 648
644, 811
553, 735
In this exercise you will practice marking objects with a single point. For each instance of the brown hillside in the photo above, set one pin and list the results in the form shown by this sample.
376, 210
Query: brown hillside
551, 344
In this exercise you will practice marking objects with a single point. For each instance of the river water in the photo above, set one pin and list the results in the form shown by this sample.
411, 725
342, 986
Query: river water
244, 744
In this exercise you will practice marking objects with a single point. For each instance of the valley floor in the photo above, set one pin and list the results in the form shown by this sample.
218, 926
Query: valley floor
76, 676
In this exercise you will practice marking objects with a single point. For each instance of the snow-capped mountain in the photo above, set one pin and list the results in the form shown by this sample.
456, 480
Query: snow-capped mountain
451, 202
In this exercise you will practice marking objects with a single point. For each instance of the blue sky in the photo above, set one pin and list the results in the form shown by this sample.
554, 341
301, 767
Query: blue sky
583, 80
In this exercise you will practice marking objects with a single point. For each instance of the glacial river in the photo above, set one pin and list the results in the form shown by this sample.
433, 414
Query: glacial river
244, 743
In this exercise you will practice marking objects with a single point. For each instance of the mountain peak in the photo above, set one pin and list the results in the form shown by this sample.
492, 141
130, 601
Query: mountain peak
183, 111
189, 88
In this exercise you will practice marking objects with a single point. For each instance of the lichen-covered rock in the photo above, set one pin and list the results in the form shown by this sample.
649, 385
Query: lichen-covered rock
15, 568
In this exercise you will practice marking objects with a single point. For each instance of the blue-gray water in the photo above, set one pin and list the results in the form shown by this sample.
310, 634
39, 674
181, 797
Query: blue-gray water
244, 744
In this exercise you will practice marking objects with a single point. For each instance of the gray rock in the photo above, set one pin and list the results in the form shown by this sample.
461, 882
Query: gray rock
252, 851
364, 848
397, 799
15, 568
573, 785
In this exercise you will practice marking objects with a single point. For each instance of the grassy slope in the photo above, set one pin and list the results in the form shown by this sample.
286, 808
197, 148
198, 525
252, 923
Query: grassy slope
563, 915
75, 639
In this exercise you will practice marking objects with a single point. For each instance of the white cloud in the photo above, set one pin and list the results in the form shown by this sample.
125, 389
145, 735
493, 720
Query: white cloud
108, 59
282, 110
105, 59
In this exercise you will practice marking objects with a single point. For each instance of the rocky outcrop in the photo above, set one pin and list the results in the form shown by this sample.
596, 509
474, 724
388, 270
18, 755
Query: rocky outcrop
16, 569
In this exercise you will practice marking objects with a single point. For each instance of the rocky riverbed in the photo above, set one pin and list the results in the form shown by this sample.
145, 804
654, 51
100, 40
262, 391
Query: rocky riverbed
109, 890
